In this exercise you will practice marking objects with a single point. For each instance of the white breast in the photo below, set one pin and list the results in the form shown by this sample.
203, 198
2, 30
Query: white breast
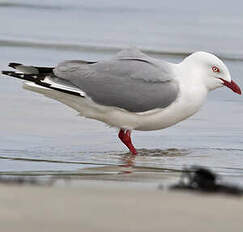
188, 103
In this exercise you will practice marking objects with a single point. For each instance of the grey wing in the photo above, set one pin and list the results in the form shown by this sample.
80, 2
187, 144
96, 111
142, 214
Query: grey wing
130, 80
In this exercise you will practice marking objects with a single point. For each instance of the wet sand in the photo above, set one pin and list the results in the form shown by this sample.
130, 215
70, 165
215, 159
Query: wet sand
112, 206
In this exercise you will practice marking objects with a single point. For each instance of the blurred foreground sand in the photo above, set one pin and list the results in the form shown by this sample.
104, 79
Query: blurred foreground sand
110, 206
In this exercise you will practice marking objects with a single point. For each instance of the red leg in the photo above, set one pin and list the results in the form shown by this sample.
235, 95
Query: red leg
125, 137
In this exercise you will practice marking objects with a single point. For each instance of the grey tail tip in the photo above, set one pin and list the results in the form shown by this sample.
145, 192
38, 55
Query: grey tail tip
14, 65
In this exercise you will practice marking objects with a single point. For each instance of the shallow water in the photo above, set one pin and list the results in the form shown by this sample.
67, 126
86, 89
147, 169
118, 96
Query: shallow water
39, 136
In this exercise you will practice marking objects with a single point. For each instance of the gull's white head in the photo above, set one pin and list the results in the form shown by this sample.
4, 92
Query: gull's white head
212, 71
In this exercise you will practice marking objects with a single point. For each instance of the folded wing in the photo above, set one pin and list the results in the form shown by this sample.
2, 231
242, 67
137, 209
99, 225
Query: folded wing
130, 80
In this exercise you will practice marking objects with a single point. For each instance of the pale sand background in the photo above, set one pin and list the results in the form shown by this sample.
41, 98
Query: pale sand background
109, 206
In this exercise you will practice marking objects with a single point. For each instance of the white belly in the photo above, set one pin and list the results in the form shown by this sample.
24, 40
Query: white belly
186, 105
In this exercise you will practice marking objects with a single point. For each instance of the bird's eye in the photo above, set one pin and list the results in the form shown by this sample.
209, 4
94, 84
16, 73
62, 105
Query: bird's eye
215, 69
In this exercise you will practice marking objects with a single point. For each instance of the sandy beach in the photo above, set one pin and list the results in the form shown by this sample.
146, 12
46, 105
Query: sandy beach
112, 206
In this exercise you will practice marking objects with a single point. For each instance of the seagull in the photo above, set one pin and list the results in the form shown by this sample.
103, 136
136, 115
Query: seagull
131, 90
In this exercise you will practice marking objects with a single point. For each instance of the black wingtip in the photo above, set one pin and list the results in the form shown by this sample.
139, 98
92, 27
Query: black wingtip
14, 65
7, 73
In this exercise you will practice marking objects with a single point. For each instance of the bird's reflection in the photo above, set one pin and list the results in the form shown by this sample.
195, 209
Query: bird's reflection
128, 160
127, 163
147, 161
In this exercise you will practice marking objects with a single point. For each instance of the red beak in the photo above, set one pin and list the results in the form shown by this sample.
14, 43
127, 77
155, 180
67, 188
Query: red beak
232, 85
